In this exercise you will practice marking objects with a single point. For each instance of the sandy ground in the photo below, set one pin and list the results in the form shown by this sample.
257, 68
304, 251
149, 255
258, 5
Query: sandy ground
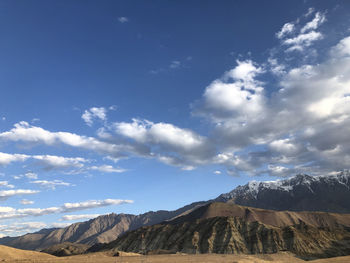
204, 258
12, 255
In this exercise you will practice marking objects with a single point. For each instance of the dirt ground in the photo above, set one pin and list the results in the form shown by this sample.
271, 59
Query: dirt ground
203, 258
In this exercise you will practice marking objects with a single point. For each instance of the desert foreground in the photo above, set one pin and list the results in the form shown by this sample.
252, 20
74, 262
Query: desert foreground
11, 255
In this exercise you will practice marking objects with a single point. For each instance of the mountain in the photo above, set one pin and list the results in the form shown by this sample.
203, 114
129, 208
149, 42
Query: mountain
229, 228
299, 193
330, 193
102, 229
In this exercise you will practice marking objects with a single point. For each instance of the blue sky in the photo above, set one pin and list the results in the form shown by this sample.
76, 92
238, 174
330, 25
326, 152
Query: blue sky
131, 106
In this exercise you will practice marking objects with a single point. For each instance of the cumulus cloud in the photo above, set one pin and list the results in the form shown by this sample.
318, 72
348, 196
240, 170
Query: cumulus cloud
9, 212
78, 217
59, 162
24, 132
315, 23
300, 39
303, 40
285, 30
6, 158
294, 121
49, 162
9, 193
301, 128
237, 95
165, 141
94, 113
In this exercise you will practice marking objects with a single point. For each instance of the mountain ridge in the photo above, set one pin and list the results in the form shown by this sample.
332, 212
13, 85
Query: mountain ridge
321, 192
228, 228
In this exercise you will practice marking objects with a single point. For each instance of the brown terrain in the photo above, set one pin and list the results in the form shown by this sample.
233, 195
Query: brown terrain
102, 229
225, 228
12, 255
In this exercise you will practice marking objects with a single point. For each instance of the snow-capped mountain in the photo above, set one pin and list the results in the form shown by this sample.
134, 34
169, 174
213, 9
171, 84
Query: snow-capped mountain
329, 193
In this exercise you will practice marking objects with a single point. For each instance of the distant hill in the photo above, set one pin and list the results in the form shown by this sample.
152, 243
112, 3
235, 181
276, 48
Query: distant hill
102, 229
229, 228
66, 249
329, 193
18, 255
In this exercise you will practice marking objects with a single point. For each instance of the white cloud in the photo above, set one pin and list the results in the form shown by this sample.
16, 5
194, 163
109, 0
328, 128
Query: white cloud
51, 184
24, 132
6, 209
107, 169
6, 184
310, 11
166, 142
60, 225
303, 40
302, 126
31, 175
9, 212
9, 193
26, 202
69, 207
307, 35
123, 19
239, 99
94, 113
342, 48
315, 23
48, 161
78, 217
217, 172
20, 227
286, 29
6, 158
58, 162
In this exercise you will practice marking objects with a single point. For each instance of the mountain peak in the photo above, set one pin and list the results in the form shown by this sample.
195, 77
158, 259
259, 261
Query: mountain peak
299, 192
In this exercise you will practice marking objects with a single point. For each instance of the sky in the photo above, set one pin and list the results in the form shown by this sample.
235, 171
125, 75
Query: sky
132, 106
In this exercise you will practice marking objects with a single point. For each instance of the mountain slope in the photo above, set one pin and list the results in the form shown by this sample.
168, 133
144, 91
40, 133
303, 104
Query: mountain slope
102, 229
299, 193
228, 228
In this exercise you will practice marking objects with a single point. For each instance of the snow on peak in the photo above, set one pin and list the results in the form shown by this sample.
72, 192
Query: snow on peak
254, 187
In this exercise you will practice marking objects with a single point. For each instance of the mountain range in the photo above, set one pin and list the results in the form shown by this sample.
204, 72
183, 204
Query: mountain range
229, 228
299, 193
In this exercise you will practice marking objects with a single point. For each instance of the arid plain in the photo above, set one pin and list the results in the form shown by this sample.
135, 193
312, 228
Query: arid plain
12, 255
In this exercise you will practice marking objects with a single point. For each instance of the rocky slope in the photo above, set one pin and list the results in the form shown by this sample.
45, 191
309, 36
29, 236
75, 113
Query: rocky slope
66, 249
299, 193
228, 228
102, 229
